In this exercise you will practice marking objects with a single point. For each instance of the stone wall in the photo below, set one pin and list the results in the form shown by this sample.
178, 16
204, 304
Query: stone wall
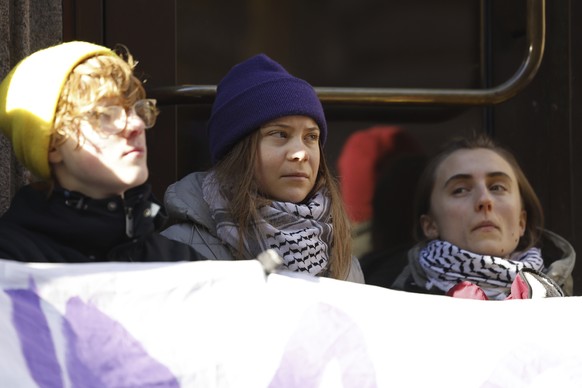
25, 26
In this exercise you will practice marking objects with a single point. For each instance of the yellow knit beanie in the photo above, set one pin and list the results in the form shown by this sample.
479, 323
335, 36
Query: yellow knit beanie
28, 100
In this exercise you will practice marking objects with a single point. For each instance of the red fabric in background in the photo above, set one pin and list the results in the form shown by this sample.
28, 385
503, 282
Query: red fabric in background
360, 162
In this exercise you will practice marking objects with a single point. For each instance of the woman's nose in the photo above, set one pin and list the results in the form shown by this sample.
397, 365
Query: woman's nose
484, 201
298, 151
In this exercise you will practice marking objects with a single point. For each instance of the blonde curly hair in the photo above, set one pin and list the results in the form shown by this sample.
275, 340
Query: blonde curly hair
94, 79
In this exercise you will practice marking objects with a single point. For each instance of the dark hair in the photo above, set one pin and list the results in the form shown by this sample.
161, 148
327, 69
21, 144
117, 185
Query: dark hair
530, 200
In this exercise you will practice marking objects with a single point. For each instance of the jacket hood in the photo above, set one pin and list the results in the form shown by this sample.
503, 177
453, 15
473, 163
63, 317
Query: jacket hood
184, 201
559, 257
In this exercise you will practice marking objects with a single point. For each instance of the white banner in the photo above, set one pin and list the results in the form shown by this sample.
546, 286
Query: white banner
226, 324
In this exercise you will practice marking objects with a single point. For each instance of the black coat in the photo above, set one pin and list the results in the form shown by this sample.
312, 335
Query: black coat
68, 227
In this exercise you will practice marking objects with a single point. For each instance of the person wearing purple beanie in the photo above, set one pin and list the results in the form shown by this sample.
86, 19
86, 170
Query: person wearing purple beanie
270, 186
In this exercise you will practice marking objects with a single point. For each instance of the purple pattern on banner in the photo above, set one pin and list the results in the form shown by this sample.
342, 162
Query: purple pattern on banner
110, 352
79, 374
311, 348
99, 353
35, 338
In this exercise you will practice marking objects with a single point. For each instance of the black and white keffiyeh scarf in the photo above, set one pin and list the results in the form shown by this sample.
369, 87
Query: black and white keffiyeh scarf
446, 264
300, 233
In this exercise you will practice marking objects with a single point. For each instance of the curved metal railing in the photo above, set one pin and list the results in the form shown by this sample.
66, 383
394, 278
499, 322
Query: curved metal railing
374, 97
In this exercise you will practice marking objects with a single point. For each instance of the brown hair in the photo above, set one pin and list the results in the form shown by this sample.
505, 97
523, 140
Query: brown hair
530, 201
235, 174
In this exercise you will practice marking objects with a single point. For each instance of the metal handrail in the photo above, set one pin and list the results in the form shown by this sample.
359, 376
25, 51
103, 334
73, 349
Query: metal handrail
536, 31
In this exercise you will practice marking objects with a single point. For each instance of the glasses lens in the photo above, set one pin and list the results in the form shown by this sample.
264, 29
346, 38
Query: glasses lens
112, 119
146, 110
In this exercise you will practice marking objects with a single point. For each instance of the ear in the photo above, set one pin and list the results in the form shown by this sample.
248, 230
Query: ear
55, 155
522, 222
429, 227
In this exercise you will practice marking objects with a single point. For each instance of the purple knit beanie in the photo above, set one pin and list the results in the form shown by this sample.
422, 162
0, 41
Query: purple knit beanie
253, 93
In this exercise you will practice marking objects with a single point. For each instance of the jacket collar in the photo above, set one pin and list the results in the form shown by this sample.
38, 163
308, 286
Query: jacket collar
84, 222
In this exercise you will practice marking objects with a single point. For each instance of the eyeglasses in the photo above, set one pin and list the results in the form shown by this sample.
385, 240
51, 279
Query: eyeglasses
111, 120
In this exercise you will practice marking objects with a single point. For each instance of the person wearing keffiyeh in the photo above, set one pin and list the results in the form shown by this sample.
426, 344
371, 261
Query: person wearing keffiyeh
480, 226
270, 186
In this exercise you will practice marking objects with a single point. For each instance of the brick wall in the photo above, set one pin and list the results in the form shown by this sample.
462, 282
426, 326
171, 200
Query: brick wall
24, 27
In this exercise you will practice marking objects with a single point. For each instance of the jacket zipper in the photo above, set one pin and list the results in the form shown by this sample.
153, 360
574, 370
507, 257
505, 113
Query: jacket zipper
129, 222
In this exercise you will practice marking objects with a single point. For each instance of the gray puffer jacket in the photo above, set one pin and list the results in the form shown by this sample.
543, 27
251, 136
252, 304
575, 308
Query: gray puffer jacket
196, 227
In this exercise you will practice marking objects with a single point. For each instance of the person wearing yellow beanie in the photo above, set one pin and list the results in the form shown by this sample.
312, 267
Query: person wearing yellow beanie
76, 116
29, 97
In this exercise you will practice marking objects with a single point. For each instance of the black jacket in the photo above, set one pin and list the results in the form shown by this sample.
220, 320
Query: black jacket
68, 227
